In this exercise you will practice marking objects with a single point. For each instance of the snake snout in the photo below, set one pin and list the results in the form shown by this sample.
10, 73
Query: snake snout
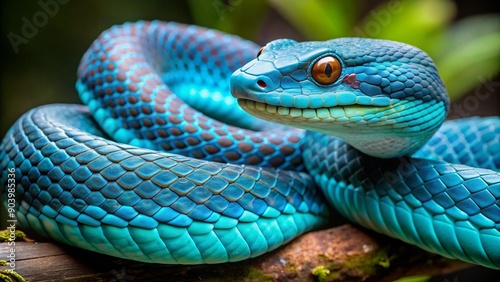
251, 87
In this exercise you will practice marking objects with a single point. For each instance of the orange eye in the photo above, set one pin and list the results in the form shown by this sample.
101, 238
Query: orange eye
327, 70
261, 50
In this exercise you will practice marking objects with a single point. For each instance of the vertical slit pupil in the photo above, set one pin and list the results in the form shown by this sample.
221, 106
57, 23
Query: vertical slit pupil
328, 70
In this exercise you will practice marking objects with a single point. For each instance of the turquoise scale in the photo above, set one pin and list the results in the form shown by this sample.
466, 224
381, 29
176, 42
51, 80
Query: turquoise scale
196, 65
78, 187
441, 207
97, 195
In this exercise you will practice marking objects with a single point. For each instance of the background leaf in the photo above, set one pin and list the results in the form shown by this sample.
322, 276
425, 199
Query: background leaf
244, 18
419, 23
319, 20
469, 54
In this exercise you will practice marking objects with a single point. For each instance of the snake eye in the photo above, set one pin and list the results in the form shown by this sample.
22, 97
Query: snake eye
326, 70
261, 50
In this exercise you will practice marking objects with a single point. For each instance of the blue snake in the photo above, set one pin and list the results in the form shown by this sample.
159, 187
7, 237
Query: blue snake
192, 178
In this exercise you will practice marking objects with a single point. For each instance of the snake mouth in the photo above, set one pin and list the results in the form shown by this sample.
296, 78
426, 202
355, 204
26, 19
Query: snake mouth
380, 131
344, 113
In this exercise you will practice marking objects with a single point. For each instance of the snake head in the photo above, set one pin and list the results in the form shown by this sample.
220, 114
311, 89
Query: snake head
385, 98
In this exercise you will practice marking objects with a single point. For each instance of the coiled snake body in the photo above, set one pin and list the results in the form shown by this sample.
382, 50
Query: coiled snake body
383, 98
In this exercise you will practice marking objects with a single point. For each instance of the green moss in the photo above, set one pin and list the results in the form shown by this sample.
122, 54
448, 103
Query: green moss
9, 275
370, 263
291, 268
257, 276
5, 235
321, 272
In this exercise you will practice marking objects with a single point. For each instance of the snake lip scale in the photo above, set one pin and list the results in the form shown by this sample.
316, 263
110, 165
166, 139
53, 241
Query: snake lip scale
176, 158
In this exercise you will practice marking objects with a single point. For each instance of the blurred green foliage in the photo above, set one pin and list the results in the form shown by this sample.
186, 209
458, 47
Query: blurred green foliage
240, 17
466, 52
414, 279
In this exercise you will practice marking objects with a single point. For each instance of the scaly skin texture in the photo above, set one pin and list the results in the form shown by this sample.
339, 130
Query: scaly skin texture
387, 101
75, 185
144, 205
127, 78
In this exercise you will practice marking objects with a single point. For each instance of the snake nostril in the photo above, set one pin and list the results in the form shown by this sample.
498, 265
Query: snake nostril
261, 84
